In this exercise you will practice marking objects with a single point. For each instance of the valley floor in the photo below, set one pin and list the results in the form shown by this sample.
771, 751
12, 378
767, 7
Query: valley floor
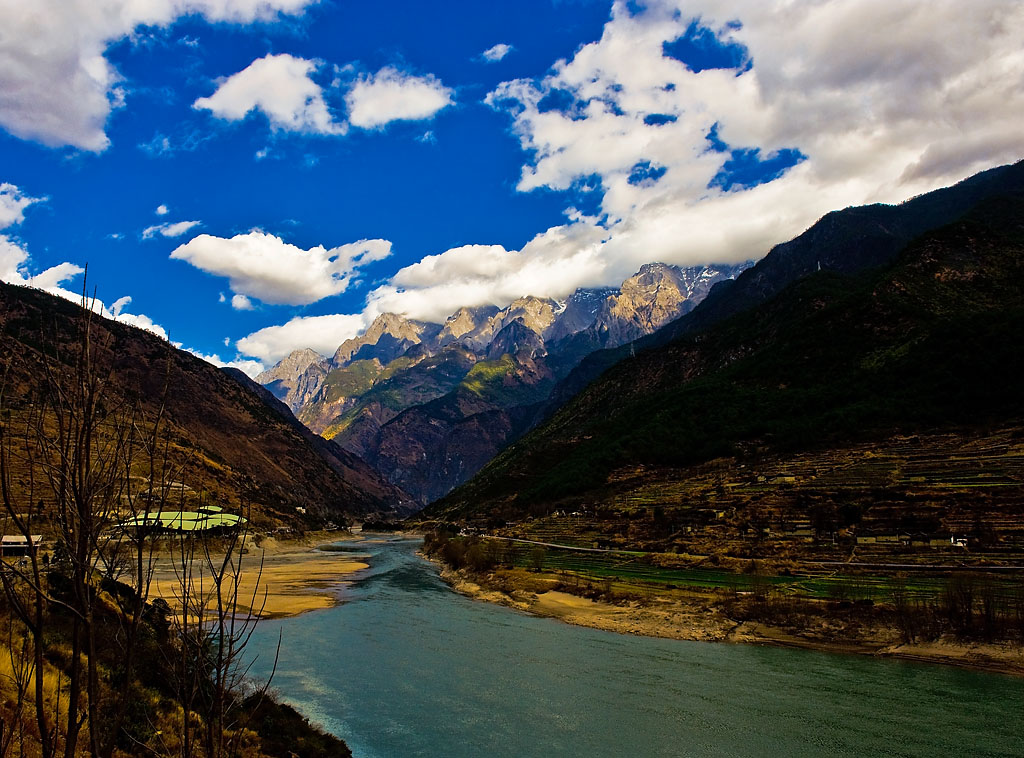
710, 617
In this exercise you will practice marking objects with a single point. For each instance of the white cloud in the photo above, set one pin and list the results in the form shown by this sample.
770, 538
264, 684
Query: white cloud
885, 100
496, 53
162, 210
320, 333
175, 229
391, 95
56, 86
13, 203
280, 86
250, 367
264, 267
13, 257
120, 304
53, 277
138, 320
241, 303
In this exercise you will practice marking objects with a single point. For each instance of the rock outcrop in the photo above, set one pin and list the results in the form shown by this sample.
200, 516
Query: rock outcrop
296, 378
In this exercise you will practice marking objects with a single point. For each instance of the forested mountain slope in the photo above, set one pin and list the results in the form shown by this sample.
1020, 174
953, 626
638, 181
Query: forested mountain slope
929, 342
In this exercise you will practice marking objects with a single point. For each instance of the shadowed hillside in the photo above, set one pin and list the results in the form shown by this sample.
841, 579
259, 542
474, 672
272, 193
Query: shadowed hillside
927, 344
238, 448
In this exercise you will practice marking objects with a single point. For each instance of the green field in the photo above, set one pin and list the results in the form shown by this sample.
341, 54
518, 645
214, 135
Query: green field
636, 568
183, 521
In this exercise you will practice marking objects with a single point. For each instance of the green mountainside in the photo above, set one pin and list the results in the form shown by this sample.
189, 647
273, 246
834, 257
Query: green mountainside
403, 383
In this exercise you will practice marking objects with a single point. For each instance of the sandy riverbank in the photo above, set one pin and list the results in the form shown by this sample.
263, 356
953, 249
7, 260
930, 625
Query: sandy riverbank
295, 576
698, 619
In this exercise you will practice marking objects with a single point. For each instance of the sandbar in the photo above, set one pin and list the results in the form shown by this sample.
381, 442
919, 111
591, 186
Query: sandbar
294, 578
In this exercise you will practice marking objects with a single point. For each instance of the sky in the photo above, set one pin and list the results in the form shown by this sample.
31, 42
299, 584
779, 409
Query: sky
250, 177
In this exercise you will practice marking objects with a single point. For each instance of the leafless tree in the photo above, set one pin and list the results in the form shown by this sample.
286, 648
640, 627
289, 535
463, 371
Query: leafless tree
79, 458
215, 619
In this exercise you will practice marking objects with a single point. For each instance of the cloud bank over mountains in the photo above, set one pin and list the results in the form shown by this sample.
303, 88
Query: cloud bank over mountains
678, 104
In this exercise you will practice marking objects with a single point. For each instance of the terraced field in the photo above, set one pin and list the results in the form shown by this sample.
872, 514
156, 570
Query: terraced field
905, 499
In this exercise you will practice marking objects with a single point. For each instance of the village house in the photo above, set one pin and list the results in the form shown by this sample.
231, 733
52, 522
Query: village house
19, 545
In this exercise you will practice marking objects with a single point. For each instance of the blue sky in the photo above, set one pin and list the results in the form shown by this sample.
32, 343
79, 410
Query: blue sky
263, 175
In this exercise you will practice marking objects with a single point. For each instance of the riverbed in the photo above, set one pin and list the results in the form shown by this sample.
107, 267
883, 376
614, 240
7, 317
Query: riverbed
407, 667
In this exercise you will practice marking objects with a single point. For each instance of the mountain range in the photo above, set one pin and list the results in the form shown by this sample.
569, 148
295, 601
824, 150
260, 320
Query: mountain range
429, 404
876, 321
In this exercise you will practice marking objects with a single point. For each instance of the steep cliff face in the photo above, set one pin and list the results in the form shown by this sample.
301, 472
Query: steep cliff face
469, 326
387, 338
296, 378
516, 339
535, 313
579, 311
655, 295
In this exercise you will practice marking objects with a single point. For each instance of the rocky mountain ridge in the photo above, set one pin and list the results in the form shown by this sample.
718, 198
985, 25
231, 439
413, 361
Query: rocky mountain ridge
296, 378
475, 382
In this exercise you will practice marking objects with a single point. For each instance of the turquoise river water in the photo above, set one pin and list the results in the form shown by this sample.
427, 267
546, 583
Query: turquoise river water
407, 667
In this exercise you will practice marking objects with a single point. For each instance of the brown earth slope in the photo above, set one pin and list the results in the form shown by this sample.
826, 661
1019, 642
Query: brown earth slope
238, 448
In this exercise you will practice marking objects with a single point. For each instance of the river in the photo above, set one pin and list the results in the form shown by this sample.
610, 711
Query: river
407, 667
